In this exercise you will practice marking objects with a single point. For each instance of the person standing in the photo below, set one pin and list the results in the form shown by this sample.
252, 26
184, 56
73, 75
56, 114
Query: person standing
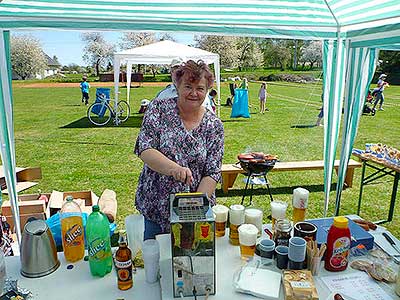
379, 97
85, 90
170, 90
181, 144
262, 96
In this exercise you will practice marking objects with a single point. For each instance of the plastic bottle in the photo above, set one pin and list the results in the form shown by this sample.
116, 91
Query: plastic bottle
72, 231
338, 245
123, 264
99, 245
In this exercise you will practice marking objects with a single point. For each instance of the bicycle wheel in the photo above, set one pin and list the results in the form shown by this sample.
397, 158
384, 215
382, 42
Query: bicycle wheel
99, 114
123, 111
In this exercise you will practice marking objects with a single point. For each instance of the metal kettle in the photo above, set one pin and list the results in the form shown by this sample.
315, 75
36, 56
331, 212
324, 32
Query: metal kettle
38, 250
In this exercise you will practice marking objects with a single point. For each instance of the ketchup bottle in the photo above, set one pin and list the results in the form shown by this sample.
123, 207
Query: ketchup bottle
338, 245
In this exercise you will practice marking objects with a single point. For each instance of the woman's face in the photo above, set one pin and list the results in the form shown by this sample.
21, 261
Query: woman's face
192, 93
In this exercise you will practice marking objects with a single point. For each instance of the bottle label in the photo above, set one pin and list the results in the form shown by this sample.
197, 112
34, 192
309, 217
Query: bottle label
123, 264
72, 235
124, 270
97, 249
340, 252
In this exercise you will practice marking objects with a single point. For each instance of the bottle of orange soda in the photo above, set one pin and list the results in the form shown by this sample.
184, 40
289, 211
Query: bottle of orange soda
72, 231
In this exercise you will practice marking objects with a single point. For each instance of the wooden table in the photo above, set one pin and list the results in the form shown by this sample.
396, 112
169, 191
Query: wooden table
382, 168
229, 172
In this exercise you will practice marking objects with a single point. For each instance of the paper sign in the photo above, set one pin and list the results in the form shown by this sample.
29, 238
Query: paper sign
356, 285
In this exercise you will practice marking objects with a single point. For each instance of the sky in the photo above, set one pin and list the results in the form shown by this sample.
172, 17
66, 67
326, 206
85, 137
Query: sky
68, 47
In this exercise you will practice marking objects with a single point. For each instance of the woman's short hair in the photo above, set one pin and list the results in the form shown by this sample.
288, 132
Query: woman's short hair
195, 71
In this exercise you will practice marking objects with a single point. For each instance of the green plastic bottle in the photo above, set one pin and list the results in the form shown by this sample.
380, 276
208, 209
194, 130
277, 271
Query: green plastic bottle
99, 245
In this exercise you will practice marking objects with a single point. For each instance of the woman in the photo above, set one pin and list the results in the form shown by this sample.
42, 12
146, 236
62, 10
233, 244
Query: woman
181, 144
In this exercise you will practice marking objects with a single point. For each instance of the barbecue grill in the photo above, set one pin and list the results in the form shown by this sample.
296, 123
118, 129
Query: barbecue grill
256, 164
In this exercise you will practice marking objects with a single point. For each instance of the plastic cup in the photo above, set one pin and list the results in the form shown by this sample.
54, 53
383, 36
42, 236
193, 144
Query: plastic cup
281, 254
221, 216
266, 248
315, 265
297, 253
247, 240
151, 258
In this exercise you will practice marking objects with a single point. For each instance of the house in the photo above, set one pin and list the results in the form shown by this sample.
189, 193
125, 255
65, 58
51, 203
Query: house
53, 67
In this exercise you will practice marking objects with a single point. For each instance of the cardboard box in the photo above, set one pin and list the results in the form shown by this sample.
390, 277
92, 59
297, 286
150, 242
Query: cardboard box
24, 218
25, 177
29, 206
85, 199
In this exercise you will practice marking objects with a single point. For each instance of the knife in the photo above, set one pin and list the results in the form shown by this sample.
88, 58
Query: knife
391, 242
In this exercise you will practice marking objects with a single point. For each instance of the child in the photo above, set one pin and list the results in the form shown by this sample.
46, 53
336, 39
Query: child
85, 90
210, 101
262, 95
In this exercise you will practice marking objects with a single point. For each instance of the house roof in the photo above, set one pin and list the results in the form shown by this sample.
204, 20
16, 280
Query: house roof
52, 62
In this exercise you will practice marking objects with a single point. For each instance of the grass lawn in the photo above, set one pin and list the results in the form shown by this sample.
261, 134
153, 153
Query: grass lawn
52, 131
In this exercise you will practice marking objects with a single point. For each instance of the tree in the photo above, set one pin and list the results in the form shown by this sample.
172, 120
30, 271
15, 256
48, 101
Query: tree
225, 46
276, 53
133, 39
98, 52
312, 53
27, 56
250, 54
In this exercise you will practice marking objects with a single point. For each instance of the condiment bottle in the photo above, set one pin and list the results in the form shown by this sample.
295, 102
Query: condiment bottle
72, 232
123, 264
282, 231
338, 245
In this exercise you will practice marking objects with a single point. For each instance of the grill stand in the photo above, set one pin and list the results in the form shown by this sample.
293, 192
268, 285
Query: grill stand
250, 176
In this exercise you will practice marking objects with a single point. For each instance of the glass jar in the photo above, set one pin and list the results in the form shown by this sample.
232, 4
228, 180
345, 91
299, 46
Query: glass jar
282, 232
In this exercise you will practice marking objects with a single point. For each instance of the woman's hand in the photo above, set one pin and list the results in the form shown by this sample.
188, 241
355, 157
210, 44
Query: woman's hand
182, 174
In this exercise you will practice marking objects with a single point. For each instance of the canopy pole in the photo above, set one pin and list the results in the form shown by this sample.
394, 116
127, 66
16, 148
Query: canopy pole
7, 141
117, 63
128, 81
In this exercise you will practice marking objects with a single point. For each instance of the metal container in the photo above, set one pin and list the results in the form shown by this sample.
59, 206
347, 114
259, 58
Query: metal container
38, 250
193, 245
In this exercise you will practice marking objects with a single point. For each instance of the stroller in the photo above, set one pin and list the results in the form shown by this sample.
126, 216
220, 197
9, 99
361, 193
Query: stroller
368, 105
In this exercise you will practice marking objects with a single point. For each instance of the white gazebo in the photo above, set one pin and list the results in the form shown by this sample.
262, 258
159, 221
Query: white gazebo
161, 53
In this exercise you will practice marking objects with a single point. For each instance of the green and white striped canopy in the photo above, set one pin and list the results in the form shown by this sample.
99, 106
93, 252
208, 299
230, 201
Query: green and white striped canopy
305, 19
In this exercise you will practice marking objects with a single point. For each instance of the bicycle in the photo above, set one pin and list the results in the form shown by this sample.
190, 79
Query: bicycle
101, 112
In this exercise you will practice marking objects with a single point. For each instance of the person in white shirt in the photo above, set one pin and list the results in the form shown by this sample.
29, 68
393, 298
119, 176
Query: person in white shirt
170, 90
378, 91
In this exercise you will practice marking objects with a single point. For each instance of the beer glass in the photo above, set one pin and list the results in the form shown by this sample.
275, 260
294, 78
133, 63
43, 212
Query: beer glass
247, 240
221, 216
236, 218
300, 203
254, 216
278, 211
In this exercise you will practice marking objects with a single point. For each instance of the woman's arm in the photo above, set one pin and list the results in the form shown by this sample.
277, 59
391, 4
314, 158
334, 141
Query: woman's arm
160, 163
207, 185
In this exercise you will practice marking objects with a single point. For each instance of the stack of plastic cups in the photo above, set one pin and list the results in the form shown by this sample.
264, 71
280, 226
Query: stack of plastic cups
151, 258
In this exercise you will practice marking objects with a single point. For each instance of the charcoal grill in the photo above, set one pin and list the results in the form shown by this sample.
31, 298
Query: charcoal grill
256, 165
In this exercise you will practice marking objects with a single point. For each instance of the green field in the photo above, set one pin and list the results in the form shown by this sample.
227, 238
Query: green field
52, 131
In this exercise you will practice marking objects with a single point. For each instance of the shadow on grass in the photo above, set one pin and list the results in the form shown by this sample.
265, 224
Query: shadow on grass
132, 122
288, 190
303, 126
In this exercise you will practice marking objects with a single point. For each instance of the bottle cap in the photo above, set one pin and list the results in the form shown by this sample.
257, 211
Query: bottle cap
340, 222
95, 208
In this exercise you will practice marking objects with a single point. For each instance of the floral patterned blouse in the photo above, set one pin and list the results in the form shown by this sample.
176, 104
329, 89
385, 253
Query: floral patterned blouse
200, 149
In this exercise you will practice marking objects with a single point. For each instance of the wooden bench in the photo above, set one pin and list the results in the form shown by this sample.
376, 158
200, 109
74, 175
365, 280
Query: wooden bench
229, 172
